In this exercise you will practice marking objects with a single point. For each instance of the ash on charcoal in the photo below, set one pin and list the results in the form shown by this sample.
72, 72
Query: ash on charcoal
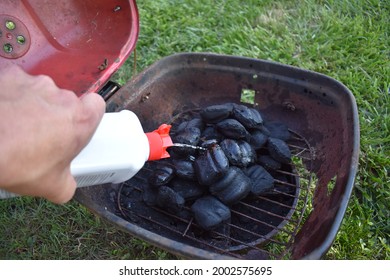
209, 212
248, 117
161, 175
211, 165
233, 187
208, 144
239, 152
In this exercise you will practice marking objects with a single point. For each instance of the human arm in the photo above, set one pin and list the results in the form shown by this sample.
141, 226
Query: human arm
42, 128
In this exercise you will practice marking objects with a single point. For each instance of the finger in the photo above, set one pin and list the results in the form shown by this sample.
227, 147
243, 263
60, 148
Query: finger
86, 119
93, 107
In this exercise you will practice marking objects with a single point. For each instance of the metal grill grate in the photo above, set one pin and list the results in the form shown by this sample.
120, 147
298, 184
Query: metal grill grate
261, 227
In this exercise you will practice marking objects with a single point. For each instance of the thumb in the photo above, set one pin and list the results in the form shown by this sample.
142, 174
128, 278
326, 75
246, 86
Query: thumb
93, 106
92, 111
65, 192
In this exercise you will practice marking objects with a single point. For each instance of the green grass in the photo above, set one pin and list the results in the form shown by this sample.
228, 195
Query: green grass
346, 40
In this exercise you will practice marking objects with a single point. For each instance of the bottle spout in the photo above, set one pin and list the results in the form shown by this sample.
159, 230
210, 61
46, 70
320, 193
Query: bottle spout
159, 141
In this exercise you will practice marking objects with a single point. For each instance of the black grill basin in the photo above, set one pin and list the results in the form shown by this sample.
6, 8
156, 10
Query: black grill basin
322, 116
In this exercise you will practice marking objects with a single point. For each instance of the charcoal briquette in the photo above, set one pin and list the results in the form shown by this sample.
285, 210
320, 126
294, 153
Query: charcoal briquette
209, 212
232, 187
161, 175
189, 136
187, 189
232, 128
232, 151
216, 113
239, 152
258, 139
207, 144
269, 162
184, 169
279, 150
211, 165
248, 117
248, 154
262, 181
169, 200
210, 133
195, 122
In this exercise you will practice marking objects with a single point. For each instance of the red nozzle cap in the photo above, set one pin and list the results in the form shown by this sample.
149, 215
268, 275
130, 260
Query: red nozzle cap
159, 141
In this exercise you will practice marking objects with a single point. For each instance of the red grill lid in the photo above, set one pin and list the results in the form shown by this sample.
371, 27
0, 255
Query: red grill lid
80, 44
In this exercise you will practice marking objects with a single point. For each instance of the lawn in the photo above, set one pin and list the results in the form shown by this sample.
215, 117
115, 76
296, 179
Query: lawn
346, 40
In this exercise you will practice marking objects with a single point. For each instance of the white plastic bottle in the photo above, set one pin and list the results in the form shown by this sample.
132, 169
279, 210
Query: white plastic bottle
117, 151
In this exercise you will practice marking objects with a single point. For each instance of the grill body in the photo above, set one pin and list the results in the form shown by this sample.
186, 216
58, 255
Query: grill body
79, 44
321, 111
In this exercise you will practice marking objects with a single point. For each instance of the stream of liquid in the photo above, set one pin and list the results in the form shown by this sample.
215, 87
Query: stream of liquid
188, 146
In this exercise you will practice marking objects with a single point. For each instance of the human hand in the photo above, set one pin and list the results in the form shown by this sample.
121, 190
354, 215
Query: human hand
42, 129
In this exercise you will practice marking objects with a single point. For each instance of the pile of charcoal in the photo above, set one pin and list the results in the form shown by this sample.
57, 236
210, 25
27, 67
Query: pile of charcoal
229, 153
